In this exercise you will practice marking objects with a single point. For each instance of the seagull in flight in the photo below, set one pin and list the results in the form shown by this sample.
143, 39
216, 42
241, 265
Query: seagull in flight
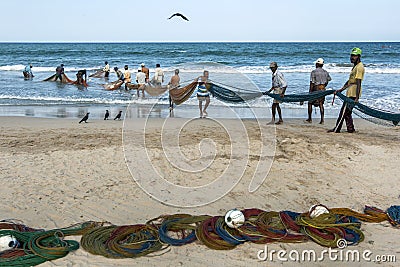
180, 15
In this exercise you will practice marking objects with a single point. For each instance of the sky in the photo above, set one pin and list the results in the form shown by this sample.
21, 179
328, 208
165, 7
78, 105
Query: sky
209, 21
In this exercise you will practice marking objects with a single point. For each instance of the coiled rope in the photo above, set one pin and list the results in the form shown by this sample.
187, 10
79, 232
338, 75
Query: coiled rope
131, 241
38, 246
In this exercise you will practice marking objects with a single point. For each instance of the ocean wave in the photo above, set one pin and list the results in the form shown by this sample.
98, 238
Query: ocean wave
220, 68
44, 99
332, 68
45, 69
386, 103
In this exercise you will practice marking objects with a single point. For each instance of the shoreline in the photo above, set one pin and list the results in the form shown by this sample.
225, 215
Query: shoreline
59, 173
160, 111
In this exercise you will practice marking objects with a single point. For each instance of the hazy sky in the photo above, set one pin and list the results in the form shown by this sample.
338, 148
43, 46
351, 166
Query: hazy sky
210, 20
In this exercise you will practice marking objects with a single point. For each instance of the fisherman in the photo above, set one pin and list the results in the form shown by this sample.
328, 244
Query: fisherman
353, 86
279, 86
158, 78
141, 81
146, 71
319, 79
127, 77
119, 73
203, 94
59, 72
28, 71
106, 69
173, 84
79, 77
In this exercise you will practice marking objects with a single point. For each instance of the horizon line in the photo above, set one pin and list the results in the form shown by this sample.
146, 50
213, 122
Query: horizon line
117, 42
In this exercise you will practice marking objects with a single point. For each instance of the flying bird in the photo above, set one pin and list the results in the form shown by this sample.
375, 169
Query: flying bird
180, 15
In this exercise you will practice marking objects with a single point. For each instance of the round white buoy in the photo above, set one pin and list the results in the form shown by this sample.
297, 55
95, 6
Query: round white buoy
234, 218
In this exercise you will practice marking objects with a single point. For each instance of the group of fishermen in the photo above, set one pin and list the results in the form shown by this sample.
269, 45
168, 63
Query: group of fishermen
319, 79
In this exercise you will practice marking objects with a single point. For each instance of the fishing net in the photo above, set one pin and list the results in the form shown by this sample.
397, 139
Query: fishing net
226, 94
310, 97
374, 115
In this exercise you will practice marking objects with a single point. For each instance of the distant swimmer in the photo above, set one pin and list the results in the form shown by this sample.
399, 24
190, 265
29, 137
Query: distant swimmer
106, 115
85, 118
118, 117
180, 15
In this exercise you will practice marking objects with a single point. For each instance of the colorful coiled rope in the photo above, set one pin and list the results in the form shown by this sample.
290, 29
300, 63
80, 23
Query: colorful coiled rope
38, 246
131, 241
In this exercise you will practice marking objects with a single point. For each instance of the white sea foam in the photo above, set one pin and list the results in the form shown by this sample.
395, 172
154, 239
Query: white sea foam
44, 69
44, 99
190, 68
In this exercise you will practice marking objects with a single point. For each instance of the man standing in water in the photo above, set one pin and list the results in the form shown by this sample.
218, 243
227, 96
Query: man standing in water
146, 71
158, 78
173, 84
106, 69
279, 86
141, 81
59, 72
127, 77
353, 86
28, 71
203, 94
319, 79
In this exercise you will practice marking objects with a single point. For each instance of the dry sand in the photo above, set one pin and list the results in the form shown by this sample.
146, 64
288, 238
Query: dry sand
56, 172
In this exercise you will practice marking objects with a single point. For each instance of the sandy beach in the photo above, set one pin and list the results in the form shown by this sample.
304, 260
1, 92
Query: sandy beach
56, 172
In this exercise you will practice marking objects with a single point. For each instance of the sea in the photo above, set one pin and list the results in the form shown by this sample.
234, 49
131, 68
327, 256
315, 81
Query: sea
242, 66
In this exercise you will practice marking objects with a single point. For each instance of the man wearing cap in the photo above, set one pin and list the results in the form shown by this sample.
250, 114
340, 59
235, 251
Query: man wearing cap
127, 76
353, 86
146, 71
319, 79
141, 80
279, 86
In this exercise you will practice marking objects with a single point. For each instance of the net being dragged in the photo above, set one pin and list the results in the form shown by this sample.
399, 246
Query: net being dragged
374, 115
223, 93
302, 97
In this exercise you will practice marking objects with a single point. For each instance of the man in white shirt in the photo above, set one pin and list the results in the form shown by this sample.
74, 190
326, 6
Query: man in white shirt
158, 78
279, 86
141, 81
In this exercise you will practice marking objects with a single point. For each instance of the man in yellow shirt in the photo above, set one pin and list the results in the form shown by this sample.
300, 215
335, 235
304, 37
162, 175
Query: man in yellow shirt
353, 86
